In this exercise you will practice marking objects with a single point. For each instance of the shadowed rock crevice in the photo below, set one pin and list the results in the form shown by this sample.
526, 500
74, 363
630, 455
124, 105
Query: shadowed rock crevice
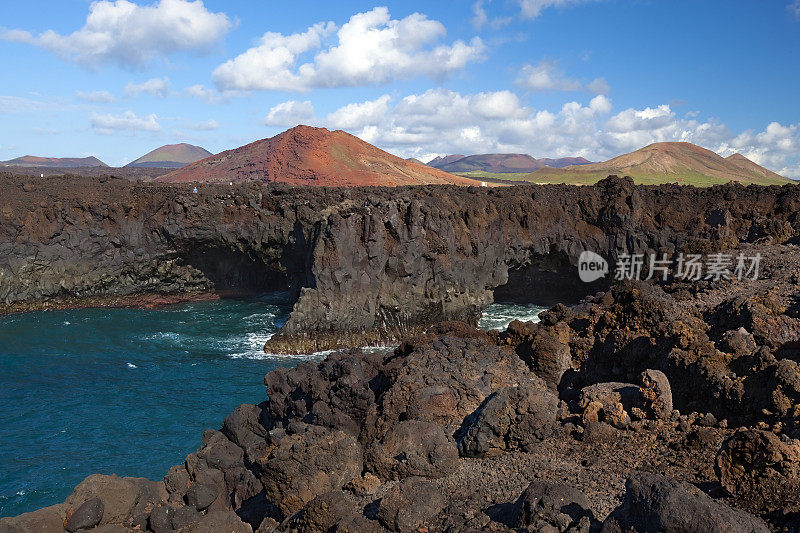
235, 274
545, 279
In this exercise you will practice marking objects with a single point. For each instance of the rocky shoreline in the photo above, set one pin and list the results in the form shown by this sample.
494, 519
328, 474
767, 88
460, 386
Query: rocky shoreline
646, 407
131, 301
363, 263
669, 406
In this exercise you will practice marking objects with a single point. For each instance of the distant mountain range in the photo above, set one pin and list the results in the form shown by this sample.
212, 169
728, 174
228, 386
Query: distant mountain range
313, 156
668, 162
500, 163
171, 156
55, 162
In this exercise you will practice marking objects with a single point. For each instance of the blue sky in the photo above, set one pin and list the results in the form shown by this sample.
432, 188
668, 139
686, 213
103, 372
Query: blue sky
552, 78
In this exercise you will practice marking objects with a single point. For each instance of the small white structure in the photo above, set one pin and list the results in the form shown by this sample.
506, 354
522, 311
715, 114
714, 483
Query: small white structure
483, 184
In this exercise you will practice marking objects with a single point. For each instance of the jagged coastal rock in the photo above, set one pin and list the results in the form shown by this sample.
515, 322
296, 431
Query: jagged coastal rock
664, 420
645, 406
366, 265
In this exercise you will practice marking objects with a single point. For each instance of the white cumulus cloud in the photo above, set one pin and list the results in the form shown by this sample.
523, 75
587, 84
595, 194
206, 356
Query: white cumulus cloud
158, 87
441, 122
794, 8
96, 97
206, 125
291, 113
19, 104
128, 121
131, 35
370, 49
531, 9
201, 92
480, 18
598, 86
546, 76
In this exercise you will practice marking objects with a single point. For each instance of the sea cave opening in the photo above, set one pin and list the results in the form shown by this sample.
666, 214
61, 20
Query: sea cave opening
534, 285
235, 274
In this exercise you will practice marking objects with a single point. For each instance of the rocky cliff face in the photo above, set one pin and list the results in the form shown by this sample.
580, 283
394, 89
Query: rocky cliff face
366, 264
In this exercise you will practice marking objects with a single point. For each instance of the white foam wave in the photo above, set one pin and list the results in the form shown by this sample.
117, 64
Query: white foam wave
499, 316
131, 365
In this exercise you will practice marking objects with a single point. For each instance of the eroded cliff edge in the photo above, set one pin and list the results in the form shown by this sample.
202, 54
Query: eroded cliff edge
367, 264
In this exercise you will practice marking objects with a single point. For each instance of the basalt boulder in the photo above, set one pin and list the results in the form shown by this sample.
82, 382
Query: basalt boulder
443, 381
121, 498
335, 393
553, 507
409, 504
413, 448
544, 349
654, 503
323, 513
306, 462
88, 515
512, 418
760, 471
46, 520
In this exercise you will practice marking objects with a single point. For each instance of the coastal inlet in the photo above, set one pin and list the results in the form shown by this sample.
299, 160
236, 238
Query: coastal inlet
130, 391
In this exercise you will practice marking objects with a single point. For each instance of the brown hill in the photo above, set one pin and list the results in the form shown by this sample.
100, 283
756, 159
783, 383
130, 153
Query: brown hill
667, 163
746, 165
564, 161
312, 156
171, 156
55, 162
439, 161
492, 163
500, 163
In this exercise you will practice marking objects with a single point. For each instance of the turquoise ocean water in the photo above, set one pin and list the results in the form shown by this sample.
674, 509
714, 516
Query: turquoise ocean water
130, 391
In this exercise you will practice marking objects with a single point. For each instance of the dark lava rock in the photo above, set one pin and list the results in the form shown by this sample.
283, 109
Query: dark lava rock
201, 496
356, 523
513, 418
177, 480
122, 498
443, 381
308, 462
547, 357
335, 393
45, 520
738, 342
322, 513
245, 427
219, 467
760, 471
218, 520
557, 507
364, 486
86, 516
409, 504
611, 403
598, 433
656, 394
161, 519
185, 516
544, 349
654, 503
111, 528
413, 448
